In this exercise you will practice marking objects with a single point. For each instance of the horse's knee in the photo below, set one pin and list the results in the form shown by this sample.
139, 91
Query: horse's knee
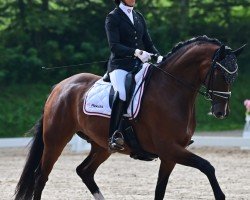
206, 167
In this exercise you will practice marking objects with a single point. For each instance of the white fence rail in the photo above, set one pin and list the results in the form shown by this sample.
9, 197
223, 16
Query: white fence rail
14, 142
222, 142
76, 144
79, 145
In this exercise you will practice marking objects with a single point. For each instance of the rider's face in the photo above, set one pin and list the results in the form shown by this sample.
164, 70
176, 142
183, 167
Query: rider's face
130, 2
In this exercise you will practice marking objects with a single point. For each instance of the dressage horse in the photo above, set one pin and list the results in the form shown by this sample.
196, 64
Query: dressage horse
164, 126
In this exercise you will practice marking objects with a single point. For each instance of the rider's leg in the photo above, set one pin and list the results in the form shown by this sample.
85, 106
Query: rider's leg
117, 78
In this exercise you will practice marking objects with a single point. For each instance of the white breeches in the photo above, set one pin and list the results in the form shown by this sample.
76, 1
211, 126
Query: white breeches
117, 78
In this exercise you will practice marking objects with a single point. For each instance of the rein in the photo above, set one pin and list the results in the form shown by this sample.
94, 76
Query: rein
188, 85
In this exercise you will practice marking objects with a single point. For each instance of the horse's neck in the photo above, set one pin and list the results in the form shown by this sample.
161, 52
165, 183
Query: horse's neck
171, 100
189, 67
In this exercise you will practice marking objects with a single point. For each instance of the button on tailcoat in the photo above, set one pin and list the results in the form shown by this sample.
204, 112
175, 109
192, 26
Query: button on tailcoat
124, 38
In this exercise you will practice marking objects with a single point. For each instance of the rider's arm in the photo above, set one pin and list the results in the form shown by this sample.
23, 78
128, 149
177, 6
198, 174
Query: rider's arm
112, 31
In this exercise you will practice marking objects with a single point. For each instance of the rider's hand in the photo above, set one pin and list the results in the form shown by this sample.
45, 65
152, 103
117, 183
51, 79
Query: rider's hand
159, 59
143, 55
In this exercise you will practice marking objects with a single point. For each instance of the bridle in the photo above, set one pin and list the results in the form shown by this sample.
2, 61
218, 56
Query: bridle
209, 89
206, 90
210, 92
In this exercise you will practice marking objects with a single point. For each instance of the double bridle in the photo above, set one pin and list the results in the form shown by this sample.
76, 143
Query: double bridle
209, 92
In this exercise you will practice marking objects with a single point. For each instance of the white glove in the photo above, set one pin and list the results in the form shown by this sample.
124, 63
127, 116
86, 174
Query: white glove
143, 55
159, 59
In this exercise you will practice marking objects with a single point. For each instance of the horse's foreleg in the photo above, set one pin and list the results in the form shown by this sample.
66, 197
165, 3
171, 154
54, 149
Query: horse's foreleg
182, 156
88, 167
163, 176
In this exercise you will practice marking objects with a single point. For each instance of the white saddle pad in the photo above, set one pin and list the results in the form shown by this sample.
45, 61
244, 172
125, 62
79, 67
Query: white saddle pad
96, 100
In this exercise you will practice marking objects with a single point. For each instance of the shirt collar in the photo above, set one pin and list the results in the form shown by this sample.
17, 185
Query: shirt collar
126, 9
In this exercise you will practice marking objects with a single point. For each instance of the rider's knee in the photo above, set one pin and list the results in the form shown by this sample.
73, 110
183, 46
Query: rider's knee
122, 94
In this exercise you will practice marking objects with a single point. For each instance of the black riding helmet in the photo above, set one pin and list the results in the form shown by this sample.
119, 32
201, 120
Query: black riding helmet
117, 2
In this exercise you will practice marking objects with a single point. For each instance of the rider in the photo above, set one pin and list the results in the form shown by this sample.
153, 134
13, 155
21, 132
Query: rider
130, 45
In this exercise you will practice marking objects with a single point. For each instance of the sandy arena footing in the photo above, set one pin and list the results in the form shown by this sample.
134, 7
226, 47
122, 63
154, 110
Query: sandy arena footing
121, 177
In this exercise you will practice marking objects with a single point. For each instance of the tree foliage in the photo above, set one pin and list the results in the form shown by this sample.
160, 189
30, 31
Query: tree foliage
53, 33
36, 33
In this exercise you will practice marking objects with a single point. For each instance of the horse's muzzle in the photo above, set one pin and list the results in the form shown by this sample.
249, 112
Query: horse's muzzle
220, 110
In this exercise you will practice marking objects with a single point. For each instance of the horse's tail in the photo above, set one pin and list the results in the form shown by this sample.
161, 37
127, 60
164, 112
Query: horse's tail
25, 186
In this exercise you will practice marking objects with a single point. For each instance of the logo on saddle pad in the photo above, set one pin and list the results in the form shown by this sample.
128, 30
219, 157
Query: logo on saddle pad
96, 101
96, 106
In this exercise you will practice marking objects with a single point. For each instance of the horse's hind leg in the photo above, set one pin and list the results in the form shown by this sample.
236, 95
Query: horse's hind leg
49, 158
53, 147
182, 156
88, 167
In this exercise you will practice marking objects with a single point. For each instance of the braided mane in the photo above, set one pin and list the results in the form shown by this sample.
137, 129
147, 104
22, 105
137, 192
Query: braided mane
199, 39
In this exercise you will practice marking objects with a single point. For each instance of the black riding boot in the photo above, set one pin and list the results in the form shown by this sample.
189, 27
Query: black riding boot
116, 140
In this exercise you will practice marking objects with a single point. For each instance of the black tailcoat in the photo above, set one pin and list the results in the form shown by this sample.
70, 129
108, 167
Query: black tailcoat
124, 38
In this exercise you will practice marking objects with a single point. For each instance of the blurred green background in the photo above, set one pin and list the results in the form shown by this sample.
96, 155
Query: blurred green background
36, 33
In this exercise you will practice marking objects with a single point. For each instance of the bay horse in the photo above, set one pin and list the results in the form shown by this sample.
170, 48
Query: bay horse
164, 127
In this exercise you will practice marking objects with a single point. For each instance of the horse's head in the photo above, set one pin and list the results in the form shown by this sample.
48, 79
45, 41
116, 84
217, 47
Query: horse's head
219, 79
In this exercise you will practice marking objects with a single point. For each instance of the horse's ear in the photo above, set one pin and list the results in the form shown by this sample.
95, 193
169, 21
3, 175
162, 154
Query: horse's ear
238, 51
222, 52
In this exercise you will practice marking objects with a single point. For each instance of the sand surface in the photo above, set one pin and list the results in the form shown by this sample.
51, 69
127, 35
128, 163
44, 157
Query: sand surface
121, 177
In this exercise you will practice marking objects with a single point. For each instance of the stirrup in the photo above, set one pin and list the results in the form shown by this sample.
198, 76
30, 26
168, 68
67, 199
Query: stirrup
116, 142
